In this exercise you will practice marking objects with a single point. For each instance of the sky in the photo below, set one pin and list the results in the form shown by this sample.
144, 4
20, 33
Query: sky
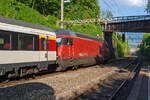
124, 7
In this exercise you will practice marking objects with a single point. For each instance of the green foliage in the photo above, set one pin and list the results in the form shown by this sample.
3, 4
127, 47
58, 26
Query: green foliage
148, 7
16, 10
144, 47
45, 7
52, 19
87, 29
121, 48
76, 9
82, 9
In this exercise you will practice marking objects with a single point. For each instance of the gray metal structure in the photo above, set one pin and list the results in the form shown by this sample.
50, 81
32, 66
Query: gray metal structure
139, 23
127, 24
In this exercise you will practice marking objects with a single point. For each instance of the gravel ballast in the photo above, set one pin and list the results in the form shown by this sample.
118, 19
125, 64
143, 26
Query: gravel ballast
64, 86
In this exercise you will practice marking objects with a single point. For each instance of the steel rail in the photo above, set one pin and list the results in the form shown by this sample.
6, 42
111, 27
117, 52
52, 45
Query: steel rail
115, 94
78, 95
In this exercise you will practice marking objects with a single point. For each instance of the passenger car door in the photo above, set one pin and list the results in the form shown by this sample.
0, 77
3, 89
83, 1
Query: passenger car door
43, 48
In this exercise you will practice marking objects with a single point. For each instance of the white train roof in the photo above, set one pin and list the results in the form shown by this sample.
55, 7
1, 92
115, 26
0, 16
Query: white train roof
23, 27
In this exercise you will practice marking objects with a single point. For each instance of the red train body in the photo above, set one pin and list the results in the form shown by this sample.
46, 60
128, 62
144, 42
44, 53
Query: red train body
74, 49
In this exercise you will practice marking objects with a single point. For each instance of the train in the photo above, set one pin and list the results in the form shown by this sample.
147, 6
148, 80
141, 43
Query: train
75, 49
27, 48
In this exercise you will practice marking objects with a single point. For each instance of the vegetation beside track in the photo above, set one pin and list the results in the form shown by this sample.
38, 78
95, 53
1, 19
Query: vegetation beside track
47, 13
144, 47
121, 48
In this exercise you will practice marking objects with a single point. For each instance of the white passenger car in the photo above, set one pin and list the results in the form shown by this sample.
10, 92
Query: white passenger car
25, 48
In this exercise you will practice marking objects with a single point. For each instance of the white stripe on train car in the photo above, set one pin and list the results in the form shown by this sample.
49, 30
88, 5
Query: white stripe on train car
7, 57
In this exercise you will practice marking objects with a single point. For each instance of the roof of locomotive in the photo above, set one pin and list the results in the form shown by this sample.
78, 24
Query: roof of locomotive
24, 24
74, 34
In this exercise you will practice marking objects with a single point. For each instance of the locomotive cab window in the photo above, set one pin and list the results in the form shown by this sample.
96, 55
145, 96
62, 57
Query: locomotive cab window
58, 41
5, 41
67, 41
70, 41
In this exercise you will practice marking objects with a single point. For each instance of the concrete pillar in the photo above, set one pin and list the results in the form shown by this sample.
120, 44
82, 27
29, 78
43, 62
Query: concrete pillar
123, 37
108, 38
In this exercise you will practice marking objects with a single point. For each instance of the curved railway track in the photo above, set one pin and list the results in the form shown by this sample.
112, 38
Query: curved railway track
133, 68
117, 95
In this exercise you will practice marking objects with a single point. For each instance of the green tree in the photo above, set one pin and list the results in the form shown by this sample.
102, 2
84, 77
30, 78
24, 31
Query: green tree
76, 9
148, 7
144, 47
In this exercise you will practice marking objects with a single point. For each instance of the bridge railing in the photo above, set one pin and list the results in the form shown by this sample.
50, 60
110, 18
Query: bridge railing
129, 18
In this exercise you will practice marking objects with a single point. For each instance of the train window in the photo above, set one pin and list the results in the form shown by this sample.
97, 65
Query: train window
43, 44
70, 41
25, 42
65, 41
4, 41
58, 41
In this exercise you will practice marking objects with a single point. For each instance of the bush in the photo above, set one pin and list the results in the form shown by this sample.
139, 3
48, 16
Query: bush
121, 48
144, 47
89, 29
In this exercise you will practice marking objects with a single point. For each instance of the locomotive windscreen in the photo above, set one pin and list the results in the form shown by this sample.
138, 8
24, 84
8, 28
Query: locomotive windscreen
64, 32
86, 36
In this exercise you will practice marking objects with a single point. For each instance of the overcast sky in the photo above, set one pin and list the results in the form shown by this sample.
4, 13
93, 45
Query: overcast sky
124, 7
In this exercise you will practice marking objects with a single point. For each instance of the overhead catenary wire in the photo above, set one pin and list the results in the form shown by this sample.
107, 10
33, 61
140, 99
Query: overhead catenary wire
107, 4
113, 6
110, 6
116, 3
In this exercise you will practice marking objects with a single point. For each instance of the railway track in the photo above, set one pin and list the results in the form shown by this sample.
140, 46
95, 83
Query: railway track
133, 68
118, 94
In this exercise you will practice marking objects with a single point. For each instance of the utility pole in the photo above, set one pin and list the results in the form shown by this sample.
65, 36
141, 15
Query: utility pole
62, 13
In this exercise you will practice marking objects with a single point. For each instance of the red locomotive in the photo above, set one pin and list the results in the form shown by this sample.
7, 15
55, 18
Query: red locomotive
75, 49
